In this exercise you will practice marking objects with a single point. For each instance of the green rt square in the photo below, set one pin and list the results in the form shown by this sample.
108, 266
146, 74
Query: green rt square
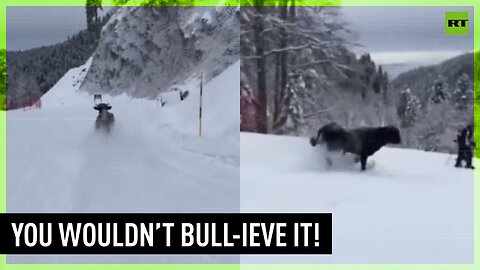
456, 23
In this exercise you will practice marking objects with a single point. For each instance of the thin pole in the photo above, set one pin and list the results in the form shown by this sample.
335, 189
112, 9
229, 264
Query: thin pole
200, 111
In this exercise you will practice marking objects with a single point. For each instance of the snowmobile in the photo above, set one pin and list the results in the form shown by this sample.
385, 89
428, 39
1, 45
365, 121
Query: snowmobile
105, 119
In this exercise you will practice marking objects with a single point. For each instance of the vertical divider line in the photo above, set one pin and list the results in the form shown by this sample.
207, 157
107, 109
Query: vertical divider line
3, 124
476, 117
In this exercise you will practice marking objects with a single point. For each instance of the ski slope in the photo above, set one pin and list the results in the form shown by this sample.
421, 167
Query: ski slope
153, 160
409, 207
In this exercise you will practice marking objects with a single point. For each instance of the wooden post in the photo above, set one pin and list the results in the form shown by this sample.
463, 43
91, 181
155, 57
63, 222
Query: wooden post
200, 111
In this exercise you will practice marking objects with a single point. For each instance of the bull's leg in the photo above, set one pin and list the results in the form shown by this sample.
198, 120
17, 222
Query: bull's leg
98, 124
329, 161
363, 161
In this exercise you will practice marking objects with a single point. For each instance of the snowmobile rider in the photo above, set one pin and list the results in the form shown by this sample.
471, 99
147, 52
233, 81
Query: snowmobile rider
465, 146
105, 119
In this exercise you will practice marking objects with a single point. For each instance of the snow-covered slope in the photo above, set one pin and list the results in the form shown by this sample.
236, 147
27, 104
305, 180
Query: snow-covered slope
144, 50
153, 161
410, 207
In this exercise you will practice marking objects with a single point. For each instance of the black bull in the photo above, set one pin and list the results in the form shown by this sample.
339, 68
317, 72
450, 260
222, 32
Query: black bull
362, 142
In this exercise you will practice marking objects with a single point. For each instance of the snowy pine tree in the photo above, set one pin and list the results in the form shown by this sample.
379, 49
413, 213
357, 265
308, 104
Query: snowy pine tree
462, 95
433, 125
408, 109
91, 12
290, 119
33, 72
437, 118
438, 92
287, 38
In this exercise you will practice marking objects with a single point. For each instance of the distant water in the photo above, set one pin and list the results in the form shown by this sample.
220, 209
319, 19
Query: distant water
396, 63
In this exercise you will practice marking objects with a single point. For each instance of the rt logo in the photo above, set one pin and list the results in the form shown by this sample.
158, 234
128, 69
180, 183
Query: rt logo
456, 23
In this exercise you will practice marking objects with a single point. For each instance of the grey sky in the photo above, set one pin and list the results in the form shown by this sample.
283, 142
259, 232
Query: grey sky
388, 29
379, 29
29, 27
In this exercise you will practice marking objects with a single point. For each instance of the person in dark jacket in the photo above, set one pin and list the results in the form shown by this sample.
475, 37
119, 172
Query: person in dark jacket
465, 147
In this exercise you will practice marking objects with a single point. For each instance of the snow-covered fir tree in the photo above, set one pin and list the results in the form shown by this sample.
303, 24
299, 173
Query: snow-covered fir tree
438, 92
462, 95
437, 118
286, 38
31, 73
431, 129
290, 120
408, 109
91, 12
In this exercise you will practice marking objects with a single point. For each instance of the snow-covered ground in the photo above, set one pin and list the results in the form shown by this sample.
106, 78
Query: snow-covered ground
409, 207
152, 161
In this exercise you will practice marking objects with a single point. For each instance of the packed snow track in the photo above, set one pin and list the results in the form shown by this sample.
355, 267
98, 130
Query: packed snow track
152, 160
